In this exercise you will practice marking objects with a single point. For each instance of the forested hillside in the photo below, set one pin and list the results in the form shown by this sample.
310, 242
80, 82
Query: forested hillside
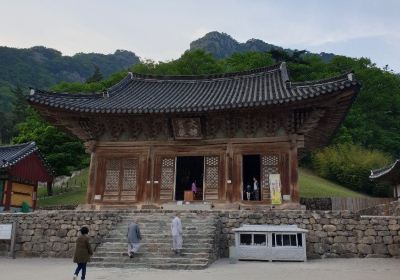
43, 67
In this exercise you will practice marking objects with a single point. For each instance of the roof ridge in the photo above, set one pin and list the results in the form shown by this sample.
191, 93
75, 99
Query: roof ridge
347, 75
17, 145
259, 70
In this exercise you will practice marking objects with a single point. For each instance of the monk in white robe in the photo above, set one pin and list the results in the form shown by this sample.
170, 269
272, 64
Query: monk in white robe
176, 230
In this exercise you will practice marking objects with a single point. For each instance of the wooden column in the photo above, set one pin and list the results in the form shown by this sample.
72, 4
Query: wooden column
90, 191
35, 196
8, 194
92, 178
294, 186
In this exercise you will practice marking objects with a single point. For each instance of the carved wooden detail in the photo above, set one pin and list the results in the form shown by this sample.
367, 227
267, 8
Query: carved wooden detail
246, 124
311, 121
116, 128
211, 177
269, 165
134, 128
94, 128
167, 180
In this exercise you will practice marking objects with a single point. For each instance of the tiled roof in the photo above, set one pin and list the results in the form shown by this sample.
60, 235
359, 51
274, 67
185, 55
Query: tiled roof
12, 154
381, 172
139, 93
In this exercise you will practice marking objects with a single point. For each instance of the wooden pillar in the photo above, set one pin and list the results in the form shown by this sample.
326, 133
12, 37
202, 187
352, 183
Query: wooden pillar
92, 178
35, 196
237, 178
90, 191
7, 203
294, 176
149, 195
228, 195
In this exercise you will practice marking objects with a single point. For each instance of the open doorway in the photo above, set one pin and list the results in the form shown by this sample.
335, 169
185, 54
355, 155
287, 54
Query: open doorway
189, 170
251, 177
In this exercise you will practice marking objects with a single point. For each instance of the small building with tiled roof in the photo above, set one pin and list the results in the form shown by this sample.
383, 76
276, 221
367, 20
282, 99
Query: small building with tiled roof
153, 138
390, 175
22, 166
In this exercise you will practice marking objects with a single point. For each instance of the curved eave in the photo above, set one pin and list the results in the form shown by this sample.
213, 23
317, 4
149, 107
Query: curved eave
41, 100
387, 172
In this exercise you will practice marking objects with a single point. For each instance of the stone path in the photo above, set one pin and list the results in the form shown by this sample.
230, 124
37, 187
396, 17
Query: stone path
326, 269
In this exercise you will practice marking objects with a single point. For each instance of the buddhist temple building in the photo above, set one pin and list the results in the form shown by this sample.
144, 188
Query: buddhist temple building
153, 138
388, 175
22, 166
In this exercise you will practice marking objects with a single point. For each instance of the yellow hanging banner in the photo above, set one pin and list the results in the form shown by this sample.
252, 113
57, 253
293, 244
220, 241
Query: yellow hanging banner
275, 187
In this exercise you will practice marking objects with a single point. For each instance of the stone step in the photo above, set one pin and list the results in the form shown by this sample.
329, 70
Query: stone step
144, 234
166, 253
150, 260
150, 265
122, 247
160, 240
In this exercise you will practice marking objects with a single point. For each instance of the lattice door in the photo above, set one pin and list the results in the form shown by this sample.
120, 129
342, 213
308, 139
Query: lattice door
167, 178
121, 180
211, 177
269, 165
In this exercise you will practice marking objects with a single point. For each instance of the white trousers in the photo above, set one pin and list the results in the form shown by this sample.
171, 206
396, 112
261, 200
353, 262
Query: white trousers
177, 242
133, 247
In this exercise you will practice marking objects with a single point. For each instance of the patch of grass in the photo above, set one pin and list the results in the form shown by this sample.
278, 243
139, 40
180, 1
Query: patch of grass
313, 186
75, 193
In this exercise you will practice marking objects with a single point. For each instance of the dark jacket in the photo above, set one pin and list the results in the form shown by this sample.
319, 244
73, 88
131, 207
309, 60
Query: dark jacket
134, 235
83, 250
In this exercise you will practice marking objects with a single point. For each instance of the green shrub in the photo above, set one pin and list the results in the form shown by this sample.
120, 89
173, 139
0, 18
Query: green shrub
350, 165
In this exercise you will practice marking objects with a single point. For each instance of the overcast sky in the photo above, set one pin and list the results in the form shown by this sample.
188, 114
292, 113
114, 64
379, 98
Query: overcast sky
162, 30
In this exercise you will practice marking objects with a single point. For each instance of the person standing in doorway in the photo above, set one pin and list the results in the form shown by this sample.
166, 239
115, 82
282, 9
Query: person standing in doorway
134, 238
82, 254
248, 191
256, 189
194, 189
176, 230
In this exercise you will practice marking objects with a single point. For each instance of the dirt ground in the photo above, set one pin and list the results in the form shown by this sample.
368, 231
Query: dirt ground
327, 269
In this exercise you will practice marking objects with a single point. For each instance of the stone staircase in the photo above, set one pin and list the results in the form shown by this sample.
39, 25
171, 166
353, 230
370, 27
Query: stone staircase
200, 242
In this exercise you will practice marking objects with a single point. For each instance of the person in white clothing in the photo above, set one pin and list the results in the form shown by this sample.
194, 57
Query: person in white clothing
256, 189
176, 230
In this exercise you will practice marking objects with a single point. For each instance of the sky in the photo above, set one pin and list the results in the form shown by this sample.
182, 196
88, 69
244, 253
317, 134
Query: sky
162, 30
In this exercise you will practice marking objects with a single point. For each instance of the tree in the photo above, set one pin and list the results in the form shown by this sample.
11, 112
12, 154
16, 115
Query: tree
96, 76
63, 152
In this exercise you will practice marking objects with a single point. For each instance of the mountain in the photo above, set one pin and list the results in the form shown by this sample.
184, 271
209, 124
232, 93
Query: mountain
222, 45
43, 67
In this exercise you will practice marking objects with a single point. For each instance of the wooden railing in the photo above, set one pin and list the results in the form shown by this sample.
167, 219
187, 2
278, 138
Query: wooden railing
357, 203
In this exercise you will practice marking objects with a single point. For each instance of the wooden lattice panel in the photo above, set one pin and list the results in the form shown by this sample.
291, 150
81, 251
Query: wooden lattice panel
113, 171
167, 180
121, 180
211, 177
269, 165
129, 179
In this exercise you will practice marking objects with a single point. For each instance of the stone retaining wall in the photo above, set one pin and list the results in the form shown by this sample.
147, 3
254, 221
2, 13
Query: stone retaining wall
389, 209
331, 234
53, 233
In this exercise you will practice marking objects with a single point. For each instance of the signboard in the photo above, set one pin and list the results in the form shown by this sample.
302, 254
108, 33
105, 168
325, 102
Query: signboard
5, 231
275, 187
187, 128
